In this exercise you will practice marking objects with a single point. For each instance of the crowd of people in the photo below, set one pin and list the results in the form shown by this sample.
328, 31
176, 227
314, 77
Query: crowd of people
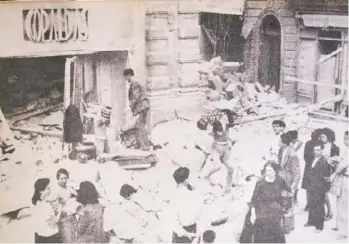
324, 172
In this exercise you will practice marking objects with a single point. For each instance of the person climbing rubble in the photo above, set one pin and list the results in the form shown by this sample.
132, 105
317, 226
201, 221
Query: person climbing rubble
221, 148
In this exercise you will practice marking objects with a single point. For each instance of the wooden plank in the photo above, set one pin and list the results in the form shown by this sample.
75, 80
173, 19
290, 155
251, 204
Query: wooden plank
34, 113
293, 113
36, 131
290, 78
330, 55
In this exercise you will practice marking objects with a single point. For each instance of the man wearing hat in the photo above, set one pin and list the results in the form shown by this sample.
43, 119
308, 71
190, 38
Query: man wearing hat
101, 141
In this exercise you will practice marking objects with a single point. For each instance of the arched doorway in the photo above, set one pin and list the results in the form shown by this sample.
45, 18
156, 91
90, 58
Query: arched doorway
269, 52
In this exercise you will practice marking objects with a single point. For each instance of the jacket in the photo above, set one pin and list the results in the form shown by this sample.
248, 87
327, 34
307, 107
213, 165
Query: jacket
290, 168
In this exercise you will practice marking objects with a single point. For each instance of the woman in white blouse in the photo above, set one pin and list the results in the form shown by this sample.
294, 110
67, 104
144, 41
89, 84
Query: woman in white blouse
45, 224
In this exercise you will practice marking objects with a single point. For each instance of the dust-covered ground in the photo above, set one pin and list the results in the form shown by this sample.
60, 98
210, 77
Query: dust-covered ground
40, 156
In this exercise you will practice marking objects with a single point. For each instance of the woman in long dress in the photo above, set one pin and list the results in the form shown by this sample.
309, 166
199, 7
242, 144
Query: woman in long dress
266, 212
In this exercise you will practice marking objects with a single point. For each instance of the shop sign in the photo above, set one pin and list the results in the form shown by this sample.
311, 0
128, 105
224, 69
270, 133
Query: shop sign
55, 25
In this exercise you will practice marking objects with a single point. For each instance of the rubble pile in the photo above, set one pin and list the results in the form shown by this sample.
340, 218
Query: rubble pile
238, 92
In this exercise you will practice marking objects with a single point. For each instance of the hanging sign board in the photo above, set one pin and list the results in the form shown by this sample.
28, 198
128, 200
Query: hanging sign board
55, 25
65, 28
234, 7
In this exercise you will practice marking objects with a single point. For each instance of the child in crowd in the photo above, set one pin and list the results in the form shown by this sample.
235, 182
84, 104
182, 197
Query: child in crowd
102, 123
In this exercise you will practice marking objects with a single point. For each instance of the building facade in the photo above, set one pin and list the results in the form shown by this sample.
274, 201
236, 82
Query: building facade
295, 45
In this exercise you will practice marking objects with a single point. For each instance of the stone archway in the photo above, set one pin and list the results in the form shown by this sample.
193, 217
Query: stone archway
269, 53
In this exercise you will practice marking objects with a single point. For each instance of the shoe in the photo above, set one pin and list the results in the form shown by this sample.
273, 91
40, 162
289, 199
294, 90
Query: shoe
317, 231
307, 225
335, 229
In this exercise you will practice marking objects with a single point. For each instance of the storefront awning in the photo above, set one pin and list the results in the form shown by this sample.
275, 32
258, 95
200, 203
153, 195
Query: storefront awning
325, 21
234, 7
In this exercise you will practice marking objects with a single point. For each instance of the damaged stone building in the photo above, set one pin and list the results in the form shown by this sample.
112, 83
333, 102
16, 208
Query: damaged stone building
71, 52
295, 45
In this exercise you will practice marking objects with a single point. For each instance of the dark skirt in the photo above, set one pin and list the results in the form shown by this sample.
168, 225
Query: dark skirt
268, 230
47, 239
184, 239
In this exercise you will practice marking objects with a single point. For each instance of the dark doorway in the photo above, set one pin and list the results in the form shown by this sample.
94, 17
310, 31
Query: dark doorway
269, 55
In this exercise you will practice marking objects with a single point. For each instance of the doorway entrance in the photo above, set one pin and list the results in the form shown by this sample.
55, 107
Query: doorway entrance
269, 54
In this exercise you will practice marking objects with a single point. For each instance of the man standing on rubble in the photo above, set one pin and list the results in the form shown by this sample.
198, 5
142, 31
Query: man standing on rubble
289, 168
139, 105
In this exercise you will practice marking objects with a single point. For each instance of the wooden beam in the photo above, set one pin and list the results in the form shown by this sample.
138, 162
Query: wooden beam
294, 113
327, 57
38, 131
27, 115
289, 78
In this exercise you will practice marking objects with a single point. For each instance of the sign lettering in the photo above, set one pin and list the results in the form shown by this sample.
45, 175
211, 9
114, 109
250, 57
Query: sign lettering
55, 25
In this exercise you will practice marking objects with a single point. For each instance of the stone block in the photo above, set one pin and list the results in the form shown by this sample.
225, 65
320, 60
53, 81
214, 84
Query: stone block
188, 20
156, 34
157, 45
188, 68
290, 29
256, 5
290, 46
253, 12
157, 70
289, 21
189, 33
289, 70
286, 13
291, 37
188, 56
280, 4
188, 79
156, 58
155, 7
188, 44
158, 21
159, 83
290, 55
188, 7
290, 63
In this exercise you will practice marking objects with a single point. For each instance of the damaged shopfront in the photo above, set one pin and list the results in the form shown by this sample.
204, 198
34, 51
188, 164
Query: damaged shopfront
61, 54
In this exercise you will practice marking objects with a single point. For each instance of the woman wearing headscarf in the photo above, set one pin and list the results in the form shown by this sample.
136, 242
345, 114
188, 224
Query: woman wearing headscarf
267, 206
46, 230
90, 224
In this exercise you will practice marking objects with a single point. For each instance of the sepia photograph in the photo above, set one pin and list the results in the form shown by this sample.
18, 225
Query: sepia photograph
174, 121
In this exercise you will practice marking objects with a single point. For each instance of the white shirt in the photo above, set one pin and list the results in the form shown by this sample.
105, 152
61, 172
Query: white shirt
274, 148
315, 162
187, 206
44, 219
326, 151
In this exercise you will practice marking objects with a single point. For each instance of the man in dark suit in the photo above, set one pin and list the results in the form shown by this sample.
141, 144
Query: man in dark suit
308, 159
289, 166
318, 185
